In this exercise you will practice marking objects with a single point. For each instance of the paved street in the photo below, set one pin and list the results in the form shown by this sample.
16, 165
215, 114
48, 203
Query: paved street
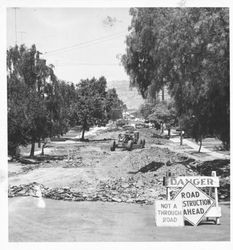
98, 221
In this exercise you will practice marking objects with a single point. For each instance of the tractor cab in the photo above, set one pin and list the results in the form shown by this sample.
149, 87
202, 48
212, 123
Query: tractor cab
127, 140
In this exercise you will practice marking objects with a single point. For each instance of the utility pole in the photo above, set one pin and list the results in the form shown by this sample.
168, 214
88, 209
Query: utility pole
21, 36
15, 8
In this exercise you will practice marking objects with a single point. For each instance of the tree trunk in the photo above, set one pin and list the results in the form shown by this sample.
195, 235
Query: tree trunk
83, 132
45, 142
17, 152
181, 138
39, 144
32, 149
162, 93
199, 150
169, 132
84, 129
42, 150
162, 128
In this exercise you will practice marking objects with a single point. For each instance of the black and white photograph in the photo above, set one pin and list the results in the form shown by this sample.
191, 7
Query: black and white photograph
118, 122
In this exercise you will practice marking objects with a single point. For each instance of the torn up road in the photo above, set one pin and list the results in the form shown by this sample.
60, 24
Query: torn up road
75, 172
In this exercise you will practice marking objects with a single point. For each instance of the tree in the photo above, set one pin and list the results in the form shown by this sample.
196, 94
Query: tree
145, 53
188, 50
24, 89
146, 109
163, 113
41, 106
94, 106
194, 128
114, 106
36, 105
89, 108
17, 124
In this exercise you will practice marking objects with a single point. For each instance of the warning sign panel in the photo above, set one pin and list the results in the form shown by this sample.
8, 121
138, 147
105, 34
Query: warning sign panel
169, 213
196, 203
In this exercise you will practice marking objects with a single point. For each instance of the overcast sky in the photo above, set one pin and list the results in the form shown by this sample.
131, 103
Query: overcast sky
79, 42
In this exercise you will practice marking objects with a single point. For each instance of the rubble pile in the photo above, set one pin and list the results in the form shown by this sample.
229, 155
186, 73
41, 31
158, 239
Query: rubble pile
122, 176
156, 160
140, 188
76, 162
224, 189
142, 157
143, 188
89, 158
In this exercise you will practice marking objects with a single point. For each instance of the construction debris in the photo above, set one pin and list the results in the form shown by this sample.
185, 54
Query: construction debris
136, 189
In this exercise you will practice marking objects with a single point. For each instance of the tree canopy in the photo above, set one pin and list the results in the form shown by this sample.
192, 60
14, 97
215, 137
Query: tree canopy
95, 105
186, 49
89, 108
163, 112
114, 106
38, 103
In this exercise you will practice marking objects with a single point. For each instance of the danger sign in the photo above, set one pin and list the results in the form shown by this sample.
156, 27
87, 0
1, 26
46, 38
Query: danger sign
195, 202
198, 181
169, 213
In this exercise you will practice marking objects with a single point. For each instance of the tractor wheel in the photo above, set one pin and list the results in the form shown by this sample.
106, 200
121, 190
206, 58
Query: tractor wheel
143, 142
130, 145
113, 147
139, 142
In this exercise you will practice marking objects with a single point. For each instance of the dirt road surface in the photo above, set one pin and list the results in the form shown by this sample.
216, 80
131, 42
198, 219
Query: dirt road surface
101, 221
127, 177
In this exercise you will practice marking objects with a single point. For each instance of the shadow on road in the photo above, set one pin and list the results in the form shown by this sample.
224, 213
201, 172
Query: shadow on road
151, 167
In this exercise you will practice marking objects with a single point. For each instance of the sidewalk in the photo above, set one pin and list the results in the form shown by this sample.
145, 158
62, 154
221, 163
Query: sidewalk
195, 147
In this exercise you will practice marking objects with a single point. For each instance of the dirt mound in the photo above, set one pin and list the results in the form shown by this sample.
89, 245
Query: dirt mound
136, 189
90, 171
222, 168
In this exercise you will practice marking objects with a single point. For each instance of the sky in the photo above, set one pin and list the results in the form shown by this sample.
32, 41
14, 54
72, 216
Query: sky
80, 42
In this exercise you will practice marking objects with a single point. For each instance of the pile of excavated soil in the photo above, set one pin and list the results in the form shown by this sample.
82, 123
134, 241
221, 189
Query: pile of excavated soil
90, 171
132, 177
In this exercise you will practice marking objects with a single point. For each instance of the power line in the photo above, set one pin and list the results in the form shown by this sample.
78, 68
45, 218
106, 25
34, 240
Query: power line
86, 43
83, 45
90, 44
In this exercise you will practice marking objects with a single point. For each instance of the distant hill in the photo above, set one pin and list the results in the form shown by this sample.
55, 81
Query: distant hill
129, 96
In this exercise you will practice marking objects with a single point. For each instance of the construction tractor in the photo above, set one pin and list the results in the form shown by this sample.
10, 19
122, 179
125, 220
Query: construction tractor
128, 140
